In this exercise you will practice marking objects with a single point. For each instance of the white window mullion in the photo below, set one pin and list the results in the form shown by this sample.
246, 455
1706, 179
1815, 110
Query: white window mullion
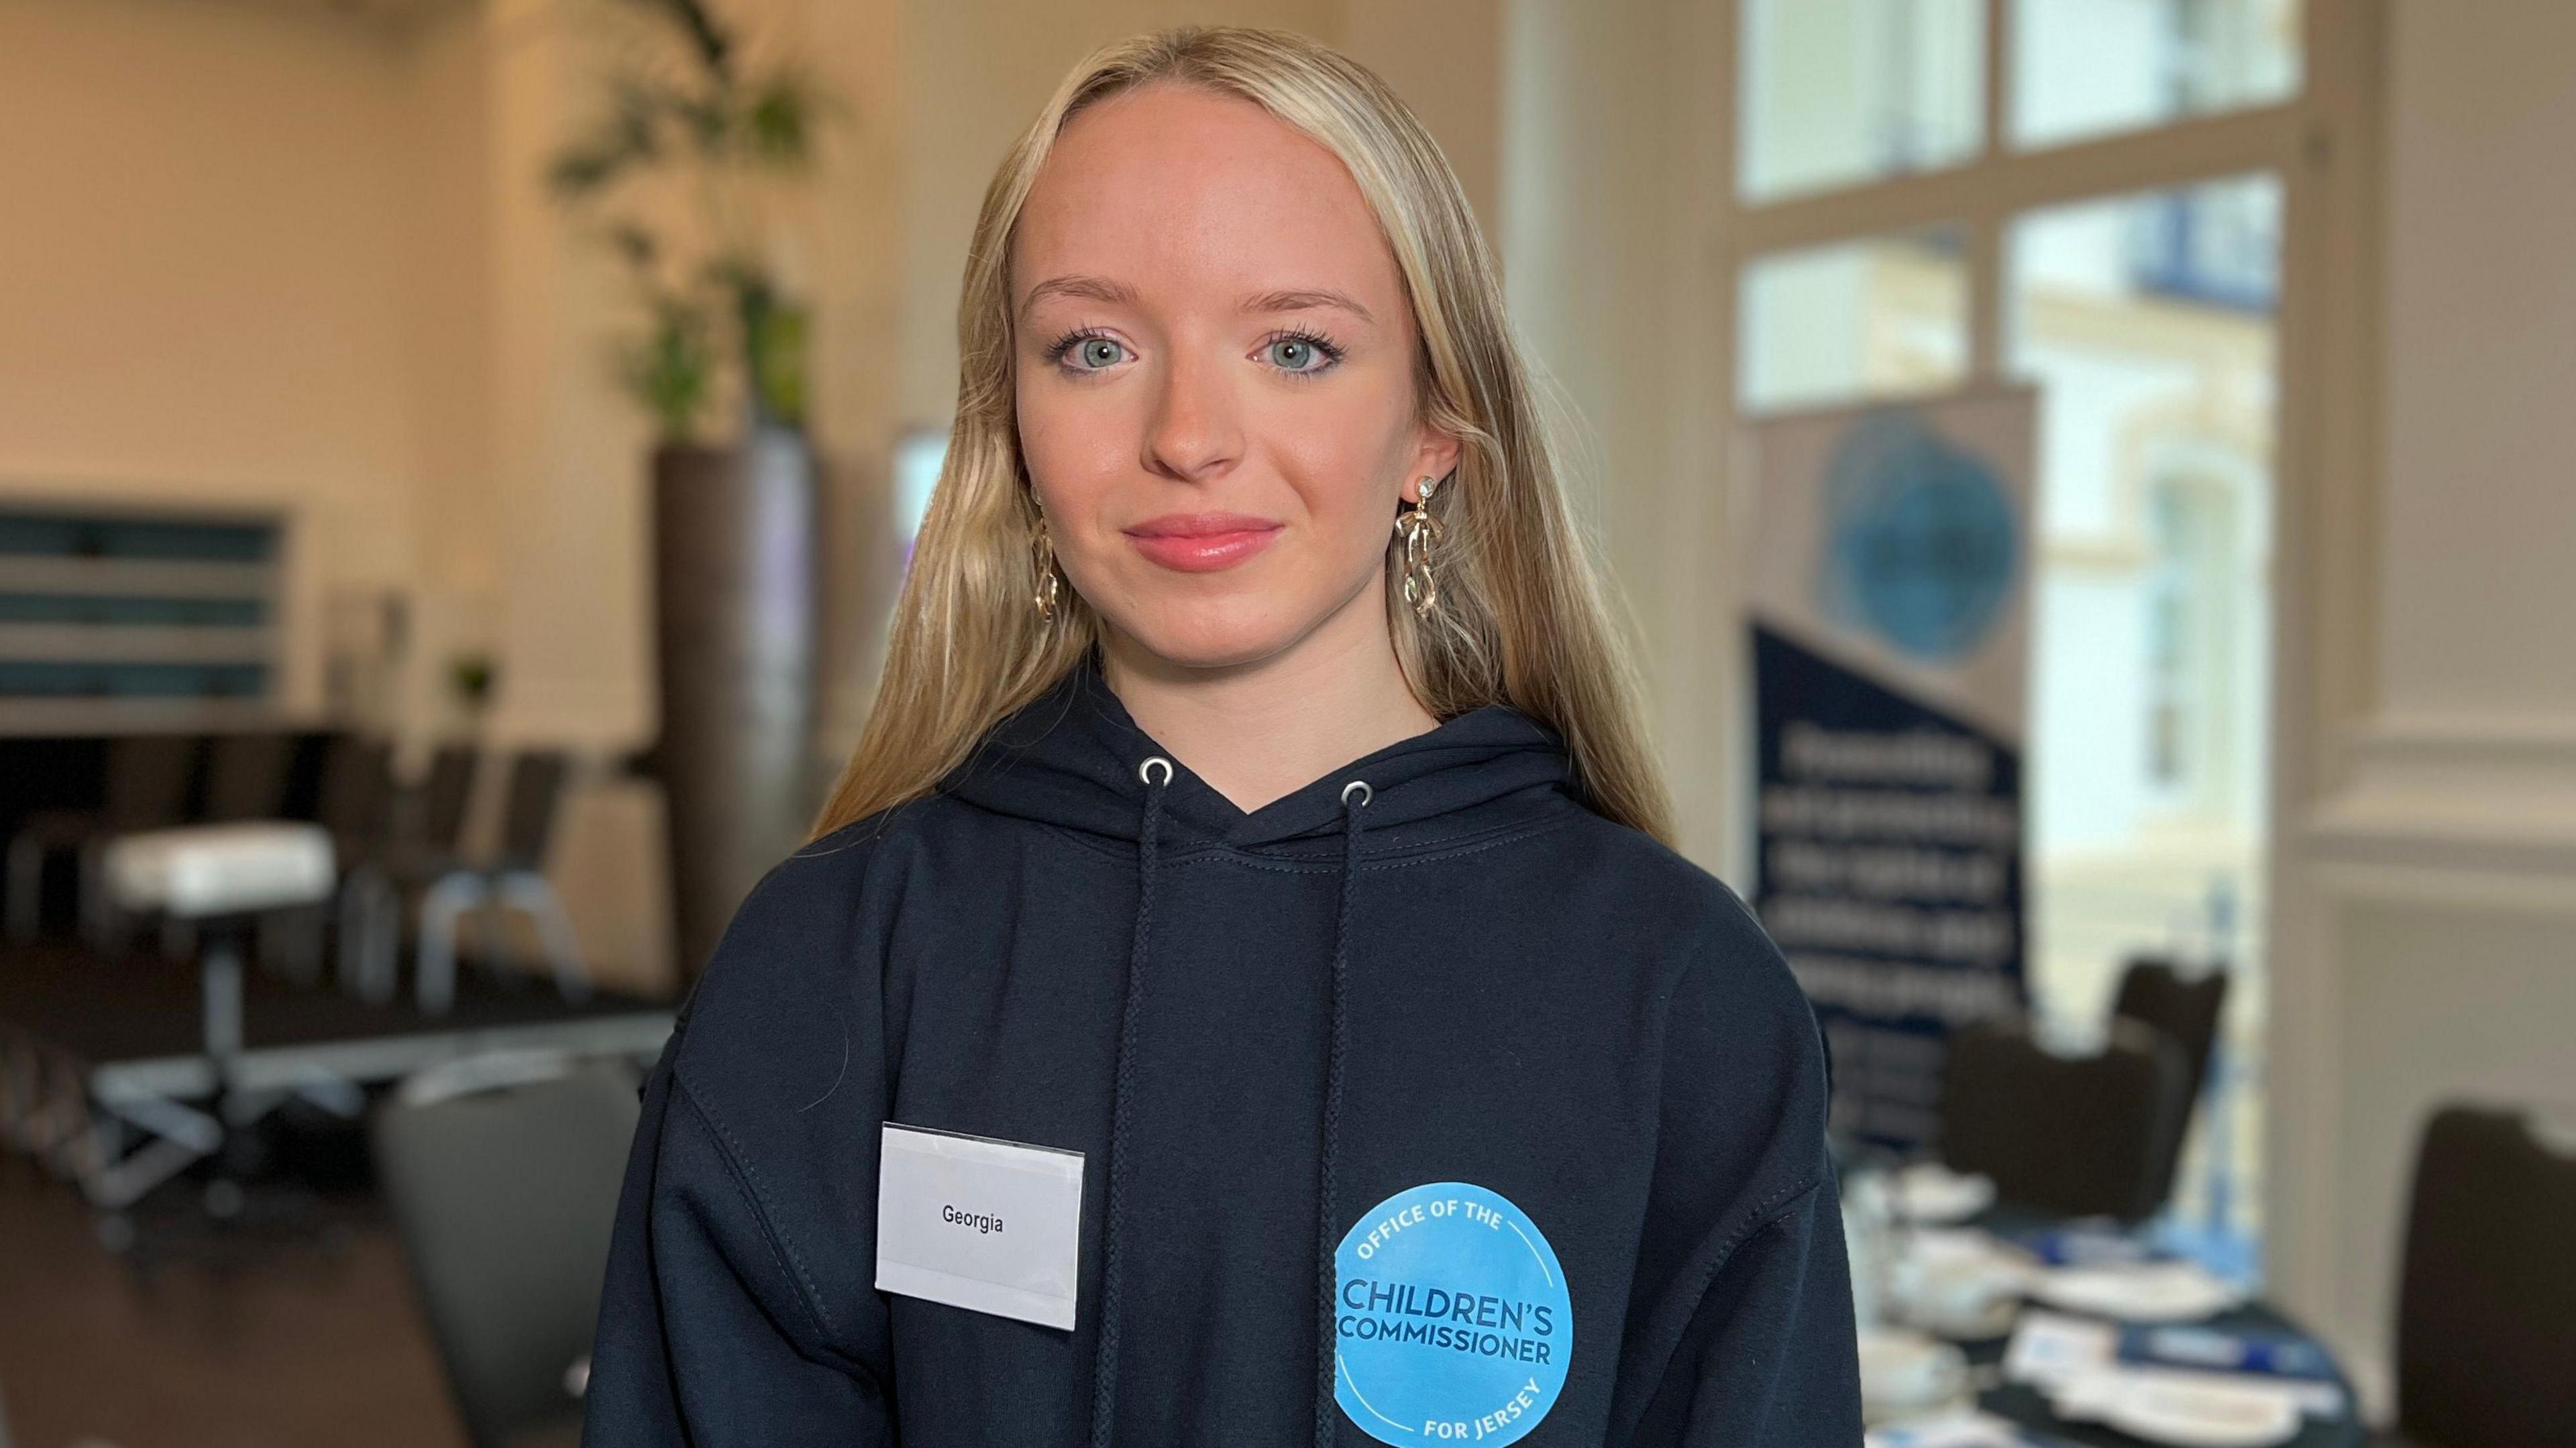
2006, 184
1985, 227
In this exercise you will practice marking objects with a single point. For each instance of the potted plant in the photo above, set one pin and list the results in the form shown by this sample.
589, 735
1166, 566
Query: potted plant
685, 176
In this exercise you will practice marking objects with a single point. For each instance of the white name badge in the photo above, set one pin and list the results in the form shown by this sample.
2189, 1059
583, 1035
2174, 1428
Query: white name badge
993, 1226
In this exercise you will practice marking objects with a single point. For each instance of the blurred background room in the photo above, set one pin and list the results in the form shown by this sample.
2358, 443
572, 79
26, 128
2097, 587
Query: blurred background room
2088, 477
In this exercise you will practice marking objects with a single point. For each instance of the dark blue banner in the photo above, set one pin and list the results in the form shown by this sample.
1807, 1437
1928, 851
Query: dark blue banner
1890, 858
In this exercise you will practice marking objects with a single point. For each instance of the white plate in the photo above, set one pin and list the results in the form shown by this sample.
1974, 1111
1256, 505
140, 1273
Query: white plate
1904, 1373
2140, 1292
1958, 1283
1927, 1191
2188, 1410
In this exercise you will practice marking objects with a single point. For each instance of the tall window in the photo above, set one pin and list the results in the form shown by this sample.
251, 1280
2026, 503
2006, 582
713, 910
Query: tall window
2086, 196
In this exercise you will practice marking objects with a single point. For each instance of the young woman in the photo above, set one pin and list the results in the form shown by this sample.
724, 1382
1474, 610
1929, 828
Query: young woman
1241, 991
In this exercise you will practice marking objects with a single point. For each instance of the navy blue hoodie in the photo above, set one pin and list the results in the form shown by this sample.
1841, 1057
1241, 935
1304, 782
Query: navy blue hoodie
1437, 1108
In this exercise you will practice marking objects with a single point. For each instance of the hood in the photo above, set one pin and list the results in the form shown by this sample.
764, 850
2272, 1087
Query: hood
1074, 758
1071, 758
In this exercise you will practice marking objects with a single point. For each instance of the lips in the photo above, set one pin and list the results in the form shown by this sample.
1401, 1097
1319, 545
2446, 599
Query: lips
1202, 542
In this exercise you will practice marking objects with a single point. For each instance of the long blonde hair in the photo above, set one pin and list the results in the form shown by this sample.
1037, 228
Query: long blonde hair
1522, 617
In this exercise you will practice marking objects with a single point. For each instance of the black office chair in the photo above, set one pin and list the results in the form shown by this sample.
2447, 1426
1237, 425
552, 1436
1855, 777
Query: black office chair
424, 833
503, 1175
2155, 993
435, 827
2486, 1302
2073, 1136
514, 879
357, 805
147, 783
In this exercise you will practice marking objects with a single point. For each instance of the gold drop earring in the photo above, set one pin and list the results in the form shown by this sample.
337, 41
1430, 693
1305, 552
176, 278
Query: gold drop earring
1420, 530
1049, 587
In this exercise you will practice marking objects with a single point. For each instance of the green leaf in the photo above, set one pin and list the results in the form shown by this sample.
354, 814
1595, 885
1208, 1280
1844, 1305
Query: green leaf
779, 122
670, 369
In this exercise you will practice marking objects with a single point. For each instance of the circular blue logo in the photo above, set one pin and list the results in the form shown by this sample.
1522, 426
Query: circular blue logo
1451, 1322
1923, 545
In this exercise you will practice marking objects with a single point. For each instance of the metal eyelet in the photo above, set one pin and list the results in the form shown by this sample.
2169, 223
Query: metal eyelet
1145, 771
1362, 786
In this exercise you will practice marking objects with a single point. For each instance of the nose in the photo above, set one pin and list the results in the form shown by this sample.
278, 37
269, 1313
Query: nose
1193, 432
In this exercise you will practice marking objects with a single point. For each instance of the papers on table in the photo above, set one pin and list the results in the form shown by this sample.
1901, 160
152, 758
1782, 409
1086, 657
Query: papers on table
2047, 1348
2075, 1363
2240, 1349
2194, 1409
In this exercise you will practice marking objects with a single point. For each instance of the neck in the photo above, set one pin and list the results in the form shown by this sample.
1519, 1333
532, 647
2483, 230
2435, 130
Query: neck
1263, 728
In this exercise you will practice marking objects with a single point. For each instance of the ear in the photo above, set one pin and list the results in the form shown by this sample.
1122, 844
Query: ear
1436, 456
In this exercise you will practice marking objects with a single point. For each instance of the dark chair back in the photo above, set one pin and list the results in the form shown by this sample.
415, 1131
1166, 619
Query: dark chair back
504, 1197
445, 794
2072, 1136
537, 778
357, 794
2486, 1302
2155, 994
149, 777
246, 775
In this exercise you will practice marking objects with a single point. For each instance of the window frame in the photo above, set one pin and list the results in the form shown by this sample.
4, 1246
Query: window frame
2325, 144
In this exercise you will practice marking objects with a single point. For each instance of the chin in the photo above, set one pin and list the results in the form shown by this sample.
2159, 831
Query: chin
1200, 634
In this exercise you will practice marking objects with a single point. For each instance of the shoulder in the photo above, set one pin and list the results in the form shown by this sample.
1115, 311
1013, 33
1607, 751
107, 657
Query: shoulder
798, 966
1730, 1012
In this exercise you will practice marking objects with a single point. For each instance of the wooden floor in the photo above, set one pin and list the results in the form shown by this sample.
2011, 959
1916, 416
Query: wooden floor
204, 1339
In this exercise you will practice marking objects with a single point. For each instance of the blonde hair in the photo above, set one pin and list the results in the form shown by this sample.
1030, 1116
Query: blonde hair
1522, 619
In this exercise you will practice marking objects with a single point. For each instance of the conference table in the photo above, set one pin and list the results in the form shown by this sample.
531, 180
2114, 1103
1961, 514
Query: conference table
2030, 1410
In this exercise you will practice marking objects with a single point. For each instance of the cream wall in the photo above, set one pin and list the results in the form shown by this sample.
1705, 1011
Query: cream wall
258, 256
2433, 889
202, 260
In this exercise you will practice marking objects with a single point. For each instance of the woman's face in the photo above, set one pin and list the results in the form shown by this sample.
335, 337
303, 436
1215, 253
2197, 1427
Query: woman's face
1215, 378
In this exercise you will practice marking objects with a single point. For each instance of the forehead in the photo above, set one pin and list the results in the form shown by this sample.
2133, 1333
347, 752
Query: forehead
1183, 193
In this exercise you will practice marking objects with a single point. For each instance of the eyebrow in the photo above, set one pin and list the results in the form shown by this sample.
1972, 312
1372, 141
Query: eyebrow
1101, 289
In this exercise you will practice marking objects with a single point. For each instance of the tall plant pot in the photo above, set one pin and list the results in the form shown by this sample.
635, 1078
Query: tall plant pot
736, 630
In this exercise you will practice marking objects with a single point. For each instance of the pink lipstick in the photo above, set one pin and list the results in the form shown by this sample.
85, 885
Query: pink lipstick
1202, 542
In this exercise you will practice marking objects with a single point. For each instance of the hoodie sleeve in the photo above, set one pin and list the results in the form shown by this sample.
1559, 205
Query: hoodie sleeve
1741, 1323
721, 1323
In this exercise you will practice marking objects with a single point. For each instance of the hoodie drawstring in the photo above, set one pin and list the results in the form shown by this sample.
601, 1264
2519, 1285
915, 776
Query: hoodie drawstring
1326, 1246
1104, 1379
1104, 1367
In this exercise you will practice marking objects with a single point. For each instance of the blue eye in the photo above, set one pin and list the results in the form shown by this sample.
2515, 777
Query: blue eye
1091, 351
1302, 353
1297, 353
